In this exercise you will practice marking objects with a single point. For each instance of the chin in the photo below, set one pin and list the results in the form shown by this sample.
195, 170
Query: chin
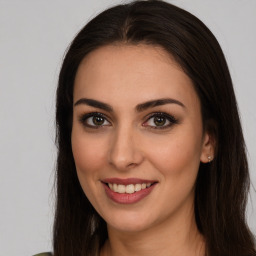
127, 226
129, 222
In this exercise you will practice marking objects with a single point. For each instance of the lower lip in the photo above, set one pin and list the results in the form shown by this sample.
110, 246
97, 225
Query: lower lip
125, 198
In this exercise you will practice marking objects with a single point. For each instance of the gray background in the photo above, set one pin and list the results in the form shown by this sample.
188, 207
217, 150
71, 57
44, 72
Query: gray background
33, 37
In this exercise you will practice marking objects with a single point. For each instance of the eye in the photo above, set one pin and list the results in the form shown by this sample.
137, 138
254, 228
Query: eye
160, 121
94, 120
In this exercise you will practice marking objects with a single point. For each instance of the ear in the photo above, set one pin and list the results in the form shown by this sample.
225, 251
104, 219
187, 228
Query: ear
208, 148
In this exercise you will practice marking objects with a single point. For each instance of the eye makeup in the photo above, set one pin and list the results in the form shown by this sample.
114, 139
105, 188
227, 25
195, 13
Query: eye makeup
94, 120
160, 120
155, 120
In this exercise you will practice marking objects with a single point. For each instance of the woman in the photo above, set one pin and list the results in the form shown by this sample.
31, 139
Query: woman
151, 154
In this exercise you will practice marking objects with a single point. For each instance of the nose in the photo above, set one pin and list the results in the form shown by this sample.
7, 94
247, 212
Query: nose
124, 152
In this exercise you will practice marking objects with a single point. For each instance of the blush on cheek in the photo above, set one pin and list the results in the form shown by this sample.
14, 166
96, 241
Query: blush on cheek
84, 148
177, 160
86, 161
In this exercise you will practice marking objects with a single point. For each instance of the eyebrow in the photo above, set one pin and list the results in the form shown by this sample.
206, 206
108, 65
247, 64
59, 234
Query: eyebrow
139, 108
94, 103
158, 102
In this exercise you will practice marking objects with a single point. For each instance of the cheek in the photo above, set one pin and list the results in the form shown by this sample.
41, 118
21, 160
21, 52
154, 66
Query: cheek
88, 152
89, 155
177, 154
177, 162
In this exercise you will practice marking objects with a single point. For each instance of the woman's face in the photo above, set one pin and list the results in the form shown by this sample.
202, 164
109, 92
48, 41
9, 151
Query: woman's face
137, 136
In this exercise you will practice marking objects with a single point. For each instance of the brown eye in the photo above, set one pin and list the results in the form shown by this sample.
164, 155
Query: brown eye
94, 120
98, 120
159, 120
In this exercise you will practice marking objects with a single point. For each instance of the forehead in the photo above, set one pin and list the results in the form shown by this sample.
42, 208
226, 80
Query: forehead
132, 72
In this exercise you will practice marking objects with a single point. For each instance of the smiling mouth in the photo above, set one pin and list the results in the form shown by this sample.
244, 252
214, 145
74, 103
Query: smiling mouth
128, 189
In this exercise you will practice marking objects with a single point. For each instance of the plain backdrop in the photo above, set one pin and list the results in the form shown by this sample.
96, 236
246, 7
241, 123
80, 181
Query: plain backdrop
33, 37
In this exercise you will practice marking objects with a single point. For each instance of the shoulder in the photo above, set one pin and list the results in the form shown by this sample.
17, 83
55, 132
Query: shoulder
44, 254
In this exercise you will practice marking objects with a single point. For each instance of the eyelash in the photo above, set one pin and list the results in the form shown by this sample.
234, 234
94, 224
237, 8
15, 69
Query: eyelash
172, 120
84, 119
167, 117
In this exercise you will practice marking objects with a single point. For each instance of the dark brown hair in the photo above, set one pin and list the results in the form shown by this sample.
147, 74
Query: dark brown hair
221, 187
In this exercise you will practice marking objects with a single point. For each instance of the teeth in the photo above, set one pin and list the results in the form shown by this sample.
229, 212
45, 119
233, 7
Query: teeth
137, 187
121, 188
129, 189
143, 186
115, 187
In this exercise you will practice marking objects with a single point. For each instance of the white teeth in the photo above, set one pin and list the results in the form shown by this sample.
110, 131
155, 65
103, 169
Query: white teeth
129, 189
114, 187
137, 187
121, 188
144, 185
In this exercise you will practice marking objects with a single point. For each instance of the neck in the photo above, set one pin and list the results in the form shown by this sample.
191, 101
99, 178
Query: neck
177, 236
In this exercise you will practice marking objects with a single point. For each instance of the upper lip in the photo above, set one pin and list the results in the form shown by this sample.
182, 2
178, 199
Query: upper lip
127, 181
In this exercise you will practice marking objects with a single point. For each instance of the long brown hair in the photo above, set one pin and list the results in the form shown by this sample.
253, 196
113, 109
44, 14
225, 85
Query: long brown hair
221, 187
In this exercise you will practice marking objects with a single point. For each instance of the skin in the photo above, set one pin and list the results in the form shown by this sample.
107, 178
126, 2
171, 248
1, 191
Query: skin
129, 144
